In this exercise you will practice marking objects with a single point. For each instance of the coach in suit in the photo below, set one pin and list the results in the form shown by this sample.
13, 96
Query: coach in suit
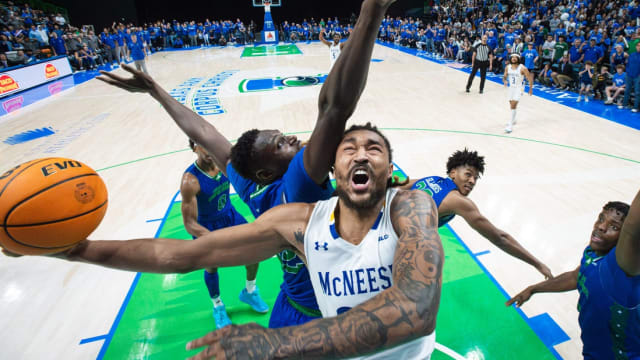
482, 59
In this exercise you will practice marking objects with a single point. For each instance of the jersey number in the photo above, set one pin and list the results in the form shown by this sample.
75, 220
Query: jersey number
222, 202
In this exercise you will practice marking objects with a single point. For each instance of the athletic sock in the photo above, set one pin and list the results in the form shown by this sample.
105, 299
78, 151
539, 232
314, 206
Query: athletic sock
251, 286
217, 302
213, 284
513, 116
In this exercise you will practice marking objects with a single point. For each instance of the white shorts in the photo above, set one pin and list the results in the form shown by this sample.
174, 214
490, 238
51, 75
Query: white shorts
515, 93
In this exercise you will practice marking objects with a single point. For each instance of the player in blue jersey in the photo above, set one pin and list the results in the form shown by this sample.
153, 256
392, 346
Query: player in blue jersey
608, 280
451, 195
268, 168
206, 207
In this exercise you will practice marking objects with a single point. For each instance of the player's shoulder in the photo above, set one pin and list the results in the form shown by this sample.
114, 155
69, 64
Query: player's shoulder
412, 199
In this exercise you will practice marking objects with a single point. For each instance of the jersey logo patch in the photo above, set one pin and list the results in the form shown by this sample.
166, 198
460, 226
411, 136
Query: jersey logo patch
383, 238
324, 246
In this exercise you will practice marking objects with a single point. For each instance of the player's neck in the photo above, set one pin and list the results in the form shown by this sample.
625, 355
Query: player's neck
209, 169
353, 224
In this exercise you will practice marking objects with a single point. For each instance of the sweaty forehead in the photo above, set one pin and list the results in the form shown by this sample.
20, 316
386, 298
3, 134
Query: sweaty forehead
363, 136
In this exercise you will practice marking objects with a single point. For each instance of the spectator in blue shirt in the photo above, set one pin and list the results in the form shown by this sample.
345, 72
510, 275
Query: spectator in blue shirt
632, 80
57, 44
138, 54
530, 57
618, 85
593, 53
576, 54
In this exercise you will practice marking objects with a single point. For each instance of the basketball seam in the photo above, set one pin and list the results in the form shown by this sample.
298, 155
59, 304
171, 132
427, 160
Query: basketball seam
4, 224
21, 171
6, 230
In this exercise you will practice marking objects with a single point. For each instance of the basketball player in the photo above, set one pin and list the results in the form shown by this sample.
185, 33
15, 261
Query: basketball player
206, 207
267, 168
514, 75
608, 280
335, 47
451, 195
350, 243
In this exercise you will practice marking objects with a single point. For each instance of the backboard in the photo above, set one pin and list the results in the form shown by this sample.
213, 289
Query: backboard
260, 3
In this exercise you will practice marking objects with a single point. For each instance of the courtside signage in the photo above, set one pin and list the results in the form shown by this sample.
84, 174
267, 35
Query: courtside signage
24, 78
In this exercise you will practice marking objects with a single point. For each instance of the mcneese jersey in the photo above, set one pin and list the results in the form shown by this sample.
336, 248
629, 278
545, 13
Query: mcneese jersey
346, 275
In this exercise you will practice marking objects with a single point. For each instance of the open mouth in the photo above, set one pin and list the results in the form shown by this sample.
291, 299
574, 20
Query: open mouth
360, 180
595, 239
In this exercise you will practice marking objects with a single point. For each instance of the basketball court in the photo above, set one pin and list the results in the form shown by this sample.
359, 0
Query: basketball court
544, 184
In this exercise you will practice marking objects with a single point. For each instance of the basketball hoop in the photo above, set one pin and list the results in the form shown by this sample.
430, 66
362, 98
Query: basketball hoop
267, 5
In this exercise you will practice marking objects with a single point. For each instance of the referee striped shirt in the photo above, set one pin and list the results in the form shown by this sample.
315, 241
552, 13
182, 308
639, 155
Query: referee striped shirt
482, 52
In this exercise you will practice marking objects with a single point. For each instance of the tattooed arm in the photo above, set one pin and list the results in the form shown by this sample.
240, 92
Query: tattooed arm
397, 315
232, 246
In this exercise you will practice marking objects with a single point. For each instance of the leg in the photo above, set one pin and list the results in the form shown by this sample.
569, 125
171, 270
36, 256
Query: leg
636, 101
138, 65
472, 75
212, 281
483, 75
144, 66
629, 88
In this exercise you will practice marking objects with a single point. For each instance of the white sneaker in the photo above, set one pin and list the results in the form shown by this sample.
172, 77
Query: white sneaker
579, 99
609, 101
634, 110
620, 107
508, 129
586, 99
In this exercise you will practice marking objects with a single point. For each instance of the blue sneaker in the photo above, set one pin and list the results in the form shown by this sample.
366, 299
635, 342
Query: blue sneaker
221, 317
254, 300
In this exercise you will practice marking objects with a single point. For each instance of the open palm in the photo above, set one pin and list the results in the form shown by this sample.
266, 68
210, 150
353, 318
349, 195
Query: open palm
140, 82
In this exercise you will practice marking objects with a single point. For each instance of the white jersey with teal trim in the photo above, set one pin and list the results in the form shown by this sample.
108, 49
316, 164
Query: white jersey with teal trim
345, 275
334, 53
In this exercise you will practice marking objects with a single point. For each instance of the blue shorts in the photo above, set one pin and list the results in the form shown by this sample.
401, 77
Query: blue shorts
228, 218
284, 314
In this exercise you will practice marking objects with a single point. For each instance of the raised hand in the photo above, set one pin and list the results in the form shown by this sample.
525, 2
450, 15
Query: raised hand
521, 298
544, 269
140, 82
250, 341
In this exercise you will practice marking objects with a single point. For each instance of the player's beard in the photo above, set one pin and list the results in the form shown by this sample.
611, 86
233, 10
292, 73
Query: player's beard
375, 195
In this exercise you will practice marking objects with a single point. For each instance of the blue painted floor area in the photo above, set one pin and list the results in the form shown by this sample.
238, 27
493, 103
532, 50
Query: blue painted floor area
568, 98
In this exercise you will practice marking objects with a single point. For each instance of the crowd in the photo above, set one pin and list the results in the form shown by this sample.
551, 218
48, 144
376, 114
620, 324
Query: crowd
581, 45
567, 44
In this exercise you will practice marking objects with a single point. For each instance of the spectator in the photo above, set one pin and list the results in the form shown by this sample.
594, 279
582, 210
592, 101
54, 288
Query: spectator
601, 81
586, 81
60, 20
560, 48
632, 80
57, 44
137, 54
576, 54
3, 61
530, 57
593, 53
562, 76
545, 74
619, 57
618, 85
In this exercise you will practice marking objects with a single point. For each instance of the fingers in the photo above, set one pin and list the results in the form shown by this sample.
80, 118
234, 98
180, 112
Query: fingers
212, 352
116, 83
208, 339
129, 69
112, 76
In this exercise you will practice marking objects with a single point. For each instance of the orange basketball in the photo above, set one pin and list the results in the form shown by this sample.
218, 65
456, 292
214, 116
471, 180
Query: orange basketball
48, 205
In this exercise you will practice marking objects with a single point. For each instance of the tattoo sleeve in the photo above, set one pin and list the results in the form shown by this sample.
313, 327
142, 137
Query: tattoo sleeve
397, 315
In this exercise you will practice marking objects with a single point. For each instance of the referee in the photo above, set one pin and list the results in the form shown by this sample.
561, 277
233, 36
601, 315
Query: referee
481, 59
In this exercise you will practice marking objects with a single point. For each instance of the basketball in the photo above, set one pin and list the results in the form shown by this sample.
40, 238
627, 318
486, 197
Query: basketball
48, 205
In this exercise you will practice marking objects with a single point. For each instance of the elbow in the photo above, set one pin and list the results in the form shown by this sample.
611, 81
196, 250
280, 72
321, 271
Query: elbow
175, 263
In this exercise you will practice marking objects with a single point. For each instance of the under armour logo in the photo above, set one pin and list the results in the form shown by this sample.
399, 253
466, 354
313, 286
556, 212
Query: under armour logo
325, 246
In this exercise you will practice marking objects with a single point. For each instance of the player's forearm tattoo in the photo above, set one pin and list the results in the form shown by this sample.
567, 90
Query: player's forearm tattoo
402, 313
299, 236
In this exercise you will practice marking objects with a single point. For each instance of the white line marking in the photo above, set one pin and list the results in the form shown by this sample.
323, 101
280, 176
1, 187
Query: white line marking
452, 354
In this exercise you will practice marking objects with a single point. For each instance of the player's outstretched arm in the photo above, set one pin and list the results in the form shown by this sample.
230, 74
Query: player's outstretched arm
628, 249
323, 40
563, 282
192, 124
464, 207
232, 246
399, 314
342, 89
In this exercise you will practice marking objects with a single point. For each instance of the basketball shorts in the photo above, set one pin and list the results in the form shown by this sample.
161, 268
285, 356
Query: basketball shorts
227, 219
515, 93
284, 314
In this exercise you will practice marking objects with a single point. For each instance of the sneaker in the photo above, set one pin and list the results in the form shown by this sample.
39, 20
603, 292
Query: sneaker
481, 91
508, 129
221, 317
608, 102
620, 106
586, 99
254, 300
579, 99
634, 110
467, 90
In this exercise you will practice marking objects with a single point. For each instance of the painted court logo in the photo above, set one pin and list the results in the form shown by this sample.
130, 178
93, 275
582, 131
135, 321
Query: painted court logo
279, 83
50, 71
7, 84
201, 96
29, 135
